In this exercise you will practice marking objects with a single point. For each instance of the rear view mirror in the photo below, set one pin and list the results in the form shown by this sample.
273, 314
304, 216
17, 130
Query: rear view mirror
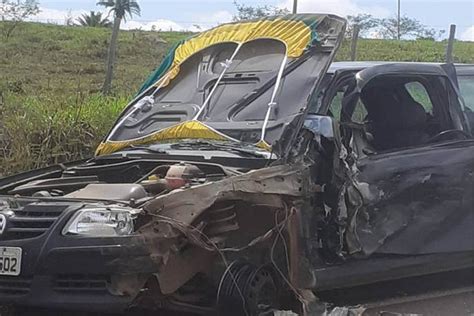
320, 125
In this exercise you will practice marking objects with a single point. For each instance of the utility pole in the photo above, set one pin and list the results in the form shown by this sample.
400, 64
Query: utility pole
449, 49
398, 21
295, 6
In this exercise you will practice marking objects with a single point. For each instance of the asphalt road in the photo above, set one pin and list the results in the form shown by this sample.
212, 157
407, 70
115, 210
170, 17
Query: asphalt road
37, 312
459, 304
449, 304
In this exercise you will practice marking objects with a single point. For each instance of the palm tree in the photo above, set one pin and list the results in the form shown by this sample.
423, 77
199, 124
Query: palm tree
120, 10
94, 19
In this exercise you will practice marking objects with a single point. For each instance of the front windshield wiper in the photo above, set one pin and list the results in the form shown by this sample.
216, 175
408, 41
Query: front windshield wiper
195, 145
144, 148
200, 144
241, 150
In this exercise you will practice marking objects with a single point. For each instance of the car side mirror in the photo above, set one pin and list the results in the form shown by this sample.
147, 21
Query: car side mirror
320, 125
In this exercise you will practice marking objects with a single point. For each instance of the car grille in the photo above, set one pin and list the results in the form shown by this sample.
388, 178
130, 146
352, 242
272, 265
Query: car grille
14, 286
81, 283
32, 220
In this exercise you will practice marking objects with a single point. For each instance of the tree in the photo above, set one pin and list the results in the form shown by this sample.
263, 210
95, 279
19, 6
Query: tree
120, 9
247, 12
13, 12
409, 27
365, 22
93, 19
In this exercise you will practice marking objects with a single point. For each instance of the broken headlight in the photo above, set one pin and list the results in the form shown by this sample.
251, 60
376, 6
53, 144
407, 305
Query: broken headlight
102, 222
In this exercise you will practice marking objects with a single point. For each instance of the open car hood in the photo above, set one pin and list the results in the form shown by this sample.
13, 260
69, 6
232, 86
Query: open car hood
247, 82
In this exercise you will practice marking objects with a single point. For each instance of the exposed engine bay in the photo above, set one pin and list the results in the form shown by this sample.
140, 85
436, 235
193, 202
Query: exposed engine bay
123, 181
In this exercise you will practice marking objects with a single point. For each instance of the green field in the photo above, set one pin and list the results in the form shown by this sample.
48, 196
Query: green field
50, 78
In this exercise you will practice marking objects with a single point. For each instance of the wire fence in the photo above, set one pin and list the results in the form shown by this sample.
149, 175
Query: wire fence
449, 58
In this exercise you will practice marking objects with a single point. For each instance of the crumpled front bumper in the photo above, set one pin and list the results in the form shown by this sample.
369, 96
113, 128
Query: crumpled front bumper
77, 273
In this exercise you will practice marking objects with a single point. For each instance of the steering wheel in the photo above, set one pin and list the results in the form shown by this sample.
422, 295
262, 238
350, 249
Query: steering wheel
449, 134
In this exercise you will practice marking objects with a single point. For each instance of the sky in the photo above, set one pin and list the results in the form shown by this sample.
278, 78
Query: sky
202, 14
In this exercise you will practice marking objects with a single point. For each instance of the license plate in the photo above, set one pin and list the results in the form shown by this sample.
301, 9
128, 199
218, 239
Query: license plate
10, 261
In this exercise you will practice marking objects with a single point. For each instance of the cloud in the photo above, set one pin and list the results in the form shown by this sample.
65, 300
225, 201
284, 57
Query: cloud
199, 23
54, 16
47, 15
374, 34
213, 18
468, 35
158, 25
339, 7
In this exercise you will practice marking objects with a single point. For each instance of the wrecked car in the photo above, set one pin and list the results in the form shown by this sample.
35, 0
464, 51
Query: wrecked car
242, 179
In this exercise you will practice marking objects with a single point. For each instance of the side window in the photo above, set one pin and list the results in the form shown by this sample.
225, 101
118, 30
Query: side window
466, 85
360, 113
402, 112
418, 92
335, 106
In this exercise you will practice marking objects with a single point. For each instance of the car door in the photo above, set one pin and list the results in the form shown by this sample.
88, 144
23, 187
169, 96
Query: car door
416, 199
397, 213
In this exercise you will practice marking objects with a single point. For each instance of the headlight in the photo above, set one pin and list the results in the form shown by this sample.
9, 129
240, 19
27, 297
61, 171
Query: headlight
102, 222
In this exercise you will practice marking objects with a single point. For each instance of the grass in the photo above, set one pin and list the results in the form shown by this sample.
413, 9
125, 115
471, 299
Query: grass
50, 78
68, 60
46, 130
421, 50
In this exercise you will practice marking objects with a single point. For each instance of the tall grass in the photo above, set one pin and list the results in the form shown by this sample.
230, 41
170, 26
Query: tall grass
50, 76
44, 130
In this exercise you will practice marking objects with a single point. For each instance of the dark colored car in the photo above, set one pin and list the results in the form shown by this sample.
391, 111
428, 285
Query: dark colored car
246, 178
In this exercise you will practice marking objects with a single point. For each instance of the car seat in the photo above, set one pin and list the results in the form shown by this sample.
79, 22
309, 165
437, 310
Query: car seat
396, 119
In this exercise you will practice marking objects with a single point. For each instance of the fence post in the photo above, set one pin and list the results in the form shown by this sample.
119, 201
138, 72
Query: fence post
355, 37
449, 49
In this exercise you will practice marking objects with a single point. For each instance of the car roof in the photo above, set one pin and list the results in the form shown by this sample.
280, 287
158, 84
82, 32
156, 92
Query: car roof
465, 69
462, 69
